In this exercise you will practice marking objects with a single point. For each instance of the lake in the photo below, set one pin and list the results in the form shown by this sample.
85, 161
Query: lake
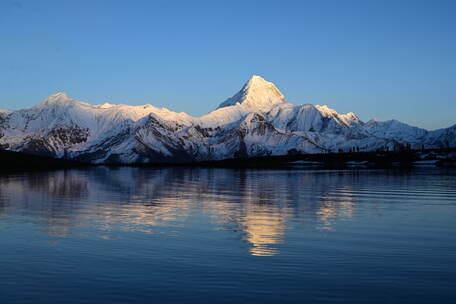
197, 235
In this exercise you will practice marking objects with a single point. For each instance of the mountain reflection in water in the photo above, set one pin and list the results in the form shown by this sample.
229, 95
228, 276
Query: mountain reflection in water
196, 235
256, 205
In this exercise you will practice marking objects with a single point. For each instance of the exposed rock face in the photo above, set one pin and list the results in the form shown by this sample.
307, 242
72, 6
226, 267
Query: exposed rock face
256, 121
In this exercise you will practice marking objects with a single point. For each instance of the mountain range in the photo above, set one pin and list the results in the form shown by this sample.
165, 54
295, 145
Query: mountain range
256, 121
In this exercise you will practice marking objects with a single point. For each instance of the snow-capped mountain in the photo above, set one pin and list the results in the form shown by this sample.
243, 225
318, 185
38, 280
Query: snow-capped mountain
256, 121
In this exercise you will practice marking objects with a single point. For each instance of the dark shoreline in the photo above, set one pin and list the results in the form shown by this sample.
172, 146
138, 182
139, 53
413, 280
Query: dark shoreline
16, 161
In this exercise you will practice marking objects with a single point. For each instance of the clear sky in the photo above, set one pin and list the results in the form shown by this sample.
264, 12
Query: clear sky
380, 59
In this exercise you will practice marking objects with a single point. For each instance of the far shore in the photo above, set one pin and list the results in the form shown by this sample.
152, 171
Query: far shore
16, 161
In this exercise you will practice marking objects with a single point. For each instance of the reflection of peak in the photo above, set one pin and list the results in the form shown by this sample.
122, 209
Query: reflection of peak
264, 226
256, 95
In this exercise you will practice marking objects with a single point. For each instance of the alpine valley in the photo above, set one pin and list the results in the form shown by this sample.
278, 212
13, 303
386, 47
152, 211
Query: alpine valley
256, 121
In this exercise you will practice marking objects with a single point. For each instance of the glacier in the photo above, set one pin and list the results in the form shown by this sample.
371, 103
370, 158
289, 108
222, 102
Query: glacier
256, 121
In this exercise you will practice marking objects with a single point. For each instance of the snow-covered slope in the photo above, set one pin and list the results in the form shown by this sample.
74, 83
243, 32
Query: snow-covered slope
311, 118
443, 138
394, 129
255, 121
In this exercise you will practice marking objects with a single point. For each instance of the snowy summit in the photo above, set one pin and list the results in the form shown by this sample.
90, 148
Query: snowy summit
256, 94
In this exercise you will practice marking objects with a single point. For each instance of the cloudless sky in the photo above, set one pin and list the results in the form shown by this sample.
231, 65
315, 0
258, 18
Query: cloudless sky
380, 59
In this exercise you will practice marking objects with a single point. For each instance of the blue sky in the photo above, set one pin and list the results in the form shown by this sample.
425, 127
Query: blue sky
379, 59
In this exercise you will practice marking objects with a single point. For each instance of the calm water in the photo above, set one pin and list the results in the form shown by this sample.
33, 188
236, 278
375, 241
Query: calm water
175, 235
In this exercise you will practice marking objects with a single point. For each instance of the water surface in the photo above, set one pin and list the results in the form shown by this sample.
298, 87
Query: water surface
181, 235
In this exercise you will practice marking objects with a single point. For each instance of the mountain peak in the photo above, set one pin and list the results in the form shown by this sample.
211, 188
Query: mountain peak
57, 98
257, 80
257, 94
60, 96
